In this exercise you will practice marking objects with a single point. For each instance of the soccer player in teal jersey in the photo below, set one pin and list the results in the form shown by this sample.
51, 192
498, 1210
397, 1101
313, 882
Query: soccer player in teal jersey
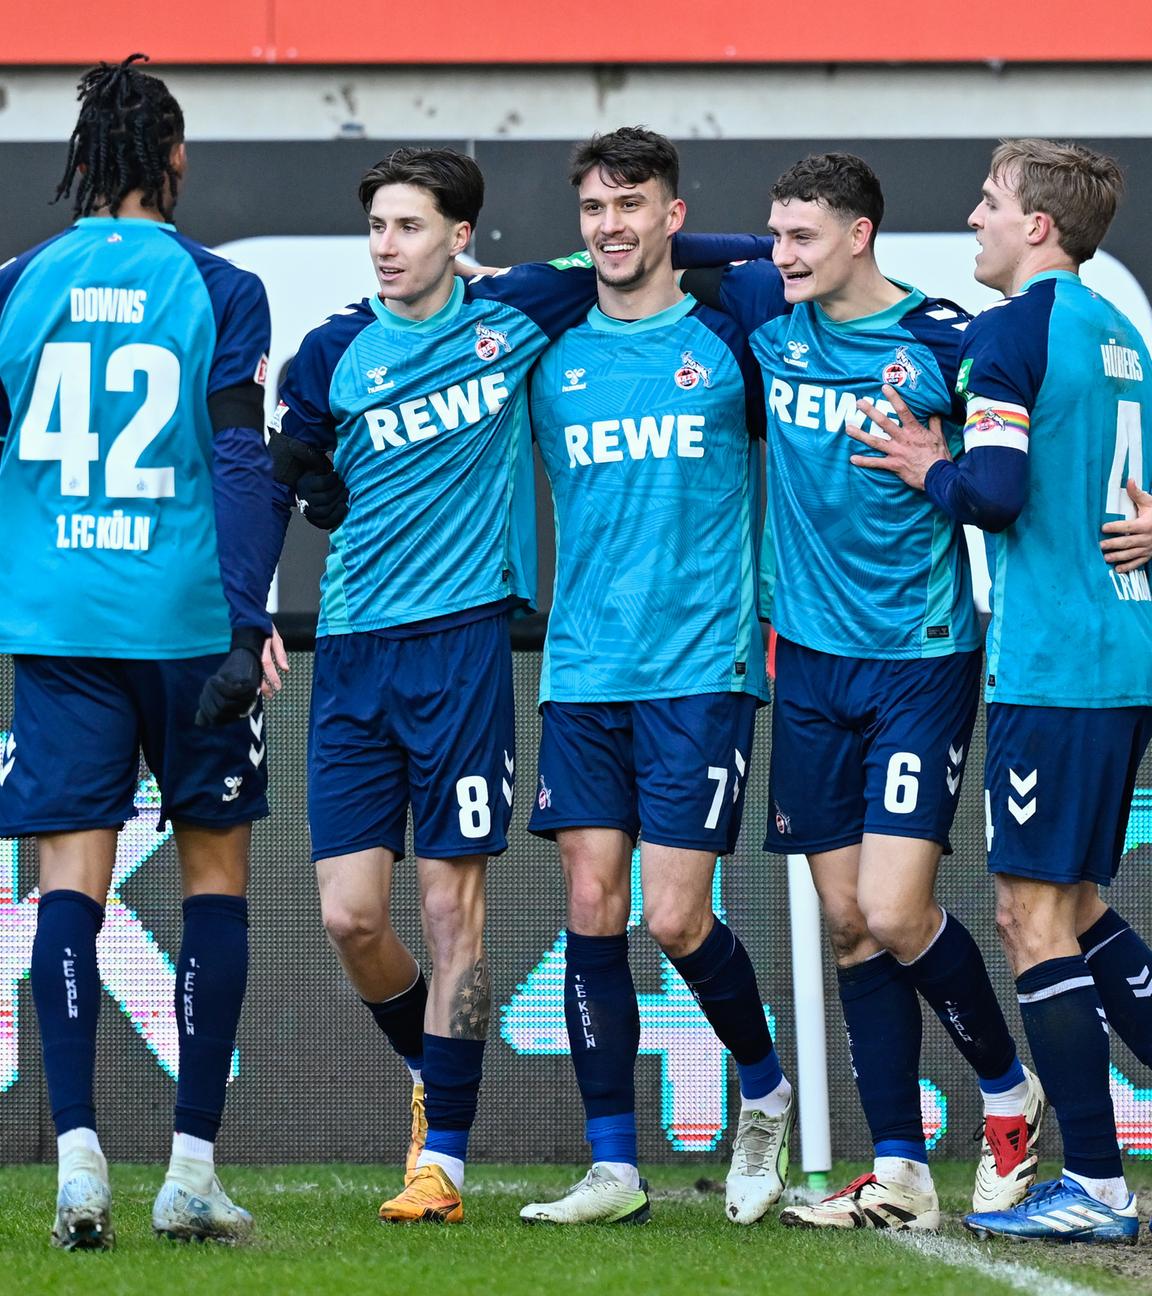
134, 473
1058, 439
419, 393
877, 669
653, 666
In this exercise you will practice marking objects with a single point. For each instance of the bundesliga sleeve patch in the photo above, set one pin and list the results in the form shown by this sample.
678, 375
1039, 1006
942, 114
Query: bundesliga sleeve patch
996, 423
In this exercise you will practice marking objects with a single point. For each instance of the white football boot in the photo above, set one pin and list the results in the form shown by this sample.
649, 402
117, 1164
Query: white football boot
191, 1206
1008, 1159
83, 1203
869, 1204
599, 1198
759, 1168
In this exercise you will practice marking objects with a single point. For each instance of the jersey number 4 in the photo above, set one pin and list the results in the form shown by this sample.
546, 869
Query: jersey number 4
65, 376
1127, 459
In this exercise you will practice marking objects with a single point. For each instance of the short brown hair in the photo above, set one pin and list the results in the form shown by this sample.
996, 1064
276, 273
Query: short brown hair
628, 156
1079, 189
453, 179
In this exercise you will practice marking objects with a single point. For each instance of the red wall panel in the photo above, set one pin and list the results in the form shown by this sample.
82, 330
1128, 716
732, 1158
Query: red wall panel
522, 31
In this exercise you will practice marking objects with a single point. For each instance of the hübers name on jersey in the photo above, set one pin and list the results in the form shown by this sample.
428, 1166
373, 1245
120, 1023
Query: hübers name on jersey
1121, 361
647, 437
108, 305
442, 411
118, 530
809, 406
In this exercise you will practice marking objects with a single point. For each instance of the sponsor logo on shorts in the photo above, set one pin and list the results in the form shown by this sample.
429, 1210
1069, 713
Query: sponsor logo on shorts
490, 342
232, 784
575, 380
544, 796
783, 823
691, 372
7, 758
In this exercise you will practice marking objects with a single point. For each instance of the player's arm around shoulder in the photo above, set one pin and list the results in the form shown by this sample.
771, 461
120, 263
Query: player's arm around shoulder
554, 295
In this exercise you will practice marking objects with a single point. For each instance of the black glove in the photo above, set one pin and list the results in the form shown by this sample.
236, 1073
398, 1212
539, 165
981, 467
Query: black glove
321, 495
232, 692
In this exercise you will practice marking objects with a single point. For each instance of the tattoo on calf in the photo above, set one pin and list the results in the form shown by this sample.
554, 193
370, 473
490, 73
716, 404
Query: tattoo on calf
472, 1002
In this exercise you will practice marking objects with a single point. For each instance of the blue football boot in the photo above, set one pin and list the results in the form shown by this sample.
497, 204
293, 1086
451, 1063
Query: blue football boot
1059, 1210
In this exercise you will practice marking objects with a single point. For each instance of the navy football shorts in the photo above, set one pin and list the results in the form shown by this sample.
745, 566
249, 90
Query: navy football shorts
672, 769
72, 759
1058, 785
863, 745
427, 721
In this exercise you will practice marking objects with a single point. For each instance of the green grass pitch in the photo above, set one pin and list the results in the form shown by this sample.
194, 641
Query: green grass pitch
318, 1233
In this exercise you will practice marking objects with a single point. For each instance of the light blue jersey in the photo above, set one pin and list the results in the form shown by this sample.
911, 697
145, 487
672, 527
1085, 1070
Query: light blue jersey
643, 428
429, 424
120, 343
1058, 372
855, 563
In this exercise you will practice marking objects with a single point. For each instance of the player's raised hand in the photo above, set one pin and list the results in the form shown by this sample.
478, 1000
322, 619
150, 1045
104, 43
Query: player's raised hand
232, 692
274, 661
1130, 540
907, 447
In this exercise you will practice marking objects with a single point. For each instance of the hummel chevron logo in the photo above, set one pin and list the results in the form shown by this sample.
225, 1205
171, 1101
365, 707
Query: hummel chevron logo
1141, 985
1022, 786
509, 764
257, 751
9, 758
1022, 811
955, 755
506, 784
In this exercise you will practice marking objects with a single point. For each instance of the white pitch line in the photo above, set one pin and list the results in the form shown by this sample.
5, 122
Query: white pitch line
1034, 1282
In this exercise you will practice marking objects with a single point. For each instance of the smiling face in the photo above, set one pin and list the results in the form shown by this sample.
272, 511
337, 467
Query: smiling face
1002, 231
413, 245
817, 249
627, 228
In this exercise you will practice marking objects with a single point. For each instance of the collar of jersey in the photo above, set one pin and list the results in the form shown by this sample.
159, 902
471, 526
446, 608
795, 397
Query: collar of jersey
606, 324
444, 315
1065, 276
132, 222
882, 319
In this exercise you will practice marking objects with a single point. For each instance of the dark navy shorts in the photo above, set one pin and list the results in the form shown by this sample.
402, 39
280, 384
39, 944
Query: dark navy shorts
426, 721
72, 758
1058, 785
862, 745
673, 769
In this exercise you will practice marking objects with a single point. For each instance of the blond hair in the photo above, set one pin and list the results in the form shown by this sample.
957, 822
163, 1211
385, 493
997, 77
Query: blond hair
1080, 190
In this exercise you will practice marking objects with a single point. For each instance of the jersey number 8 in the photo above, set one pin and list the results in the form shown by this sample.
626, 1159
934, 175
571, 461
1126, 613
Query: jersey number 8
65, 373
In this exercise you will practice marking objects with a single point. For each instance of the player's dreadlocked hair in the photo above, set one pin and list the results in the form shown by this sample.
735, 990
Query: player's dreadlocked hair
123, 140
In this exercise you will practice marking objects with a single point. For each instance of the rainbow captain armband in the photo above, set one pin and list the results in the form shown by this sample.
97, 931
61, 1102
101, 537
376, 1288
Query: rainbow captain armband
995, 423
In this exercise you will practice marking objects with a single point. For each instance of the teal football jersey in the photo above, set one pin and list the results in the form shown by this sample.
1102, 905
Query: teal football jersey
1059, 372
644, 430
854, 562
428, 422
114, 337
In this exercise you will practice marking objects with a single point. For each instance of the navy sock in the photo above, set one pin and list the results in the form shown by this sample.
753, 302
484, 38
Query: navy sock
66, 990
211, 976
1121, 966
603, 1020
401, 1018
882, 1016
452, 1073
720, 974
1064, 1022
953, 979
